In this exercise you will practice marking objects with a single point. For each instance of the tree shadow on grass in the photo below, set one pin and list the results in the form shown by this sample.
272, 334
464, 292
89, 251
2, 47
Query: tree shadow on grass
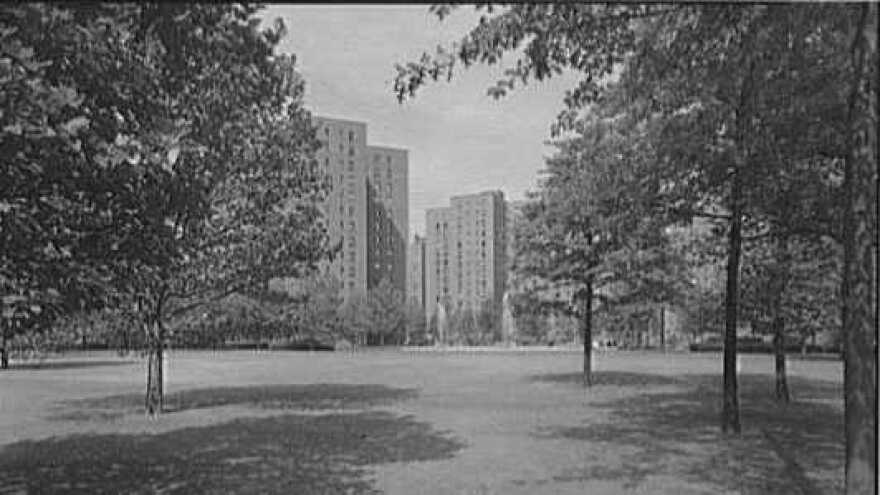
316, 396
64, 365
289, 453
793, 448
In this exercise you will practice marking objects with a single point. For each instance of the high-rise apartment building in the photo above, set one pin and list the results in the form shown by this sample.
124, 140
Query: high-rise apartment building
465, 252
367, 208
387, 216
342, 158
415, 273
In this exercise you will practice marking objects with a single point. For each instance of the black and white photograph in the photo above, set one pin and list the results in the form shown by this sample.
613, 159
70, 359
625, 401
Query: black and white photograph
464, 249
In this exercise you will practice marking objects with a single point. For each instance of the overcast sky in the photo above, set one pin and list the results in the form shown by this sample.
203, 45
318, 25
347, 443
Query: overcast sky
460, 140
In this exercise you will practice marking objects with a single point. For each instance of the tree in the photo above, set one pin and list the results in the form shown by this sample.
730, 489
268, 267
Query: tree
594, 219
488, 322
387, 311
859, 292
243, 189
195, 180
790, 286
64, 210
319, 314
355, 314
377, 316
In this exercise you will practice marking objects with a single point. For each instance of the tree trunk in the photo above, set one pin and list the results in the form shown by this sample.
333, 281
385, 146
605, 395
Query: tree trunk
663, 328
4, 351
782, 393
155, 392
780, 284
859, 233
588, 336
730, 410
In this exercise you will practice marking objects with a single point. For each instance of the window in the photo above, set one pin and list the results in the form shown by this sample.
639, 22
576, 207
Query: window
351, 165
350, 137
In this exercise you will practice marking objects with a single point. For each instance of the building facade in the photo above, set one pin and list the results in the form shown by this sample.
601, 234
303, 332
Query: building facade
387, 187
341, 157
415, 273
367, 207
465, 252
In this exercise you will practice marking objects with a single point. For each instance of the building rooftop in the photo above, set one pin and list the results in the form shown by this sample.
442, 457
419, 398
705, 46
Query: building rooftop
382, 147
491, 192
340, 120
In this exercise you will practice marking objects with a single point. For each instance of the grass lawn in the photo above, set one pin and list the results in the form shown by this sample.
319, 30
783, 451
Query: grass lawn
418, 422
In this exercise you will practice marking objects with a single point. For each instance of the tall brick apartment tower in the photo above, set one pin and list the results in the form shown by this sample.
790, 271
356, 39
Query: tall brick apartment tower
367, 208
465, 252
387, 216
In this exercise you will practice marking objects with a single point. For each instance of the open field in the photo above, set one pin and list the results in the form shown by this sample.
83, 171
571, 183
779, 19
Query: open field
418, 422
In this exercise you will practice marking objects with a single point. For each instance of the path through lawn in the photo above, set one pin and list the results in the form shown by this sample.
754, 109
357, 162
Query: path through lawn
416, 422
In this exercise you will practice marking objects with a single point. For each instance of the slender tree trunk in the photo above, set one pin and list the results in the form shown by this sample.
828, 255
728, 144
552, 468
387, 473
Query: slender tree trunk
588, 336
859, 234
782, 393
155, 392
730, 410
663, 328
4, 351
730, 420
780, 284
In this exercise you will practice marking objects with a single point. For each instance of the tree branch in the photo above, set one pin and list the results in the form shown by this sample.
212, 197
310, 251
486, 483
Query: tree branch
202, 301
